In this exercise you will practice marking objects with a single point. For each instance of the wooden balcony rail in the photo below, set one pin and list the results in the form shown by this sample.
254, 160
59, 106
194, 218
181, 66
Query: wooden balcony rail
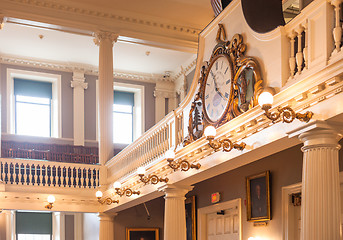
50, 152
52, 174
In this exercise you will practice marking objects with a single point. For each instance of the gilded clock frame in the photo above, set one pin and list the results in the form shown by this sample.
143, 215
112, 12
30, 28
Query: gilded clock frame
227, 107
234, 50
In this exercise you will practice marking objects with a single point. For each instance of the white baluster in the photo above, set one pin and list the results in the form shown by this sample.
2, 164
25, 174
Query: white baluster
25, 173
40, 175
299, 56
72, 177
292, 58
36, 174
77, 177
29, 176
337, 31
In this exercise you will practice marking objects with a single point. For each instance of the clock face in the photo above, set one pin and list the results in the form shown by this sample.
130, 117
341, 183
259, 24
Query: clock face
218, 88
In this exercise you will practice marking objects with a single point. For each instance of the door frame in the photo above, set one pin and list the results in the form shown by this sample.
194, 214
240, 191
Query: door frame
202, 216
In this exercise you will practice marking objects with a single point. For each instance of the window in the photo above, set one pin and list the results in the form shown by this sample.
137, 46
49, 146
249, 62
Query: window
32, 107
123, 117
33, 226
33, 103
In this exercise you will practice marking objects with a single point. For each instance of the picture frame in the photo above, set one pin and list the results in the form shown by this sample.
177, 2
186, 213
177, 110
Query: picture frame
258, 197
142, 234
190, 206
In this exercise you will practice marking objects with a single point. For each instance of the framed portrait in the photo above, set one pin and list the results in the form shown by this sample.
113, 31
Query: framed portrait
142, 234
258, 197
191, 218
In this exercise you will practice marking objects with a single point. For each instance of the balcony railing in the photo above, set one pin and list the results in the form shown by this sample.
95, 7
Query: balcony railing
308, 43
50, 152
48, 173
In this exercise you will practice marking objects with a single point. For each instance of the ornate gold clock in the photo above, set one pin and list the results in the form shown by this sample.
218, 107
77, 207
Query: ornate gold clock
229, 85
218, 90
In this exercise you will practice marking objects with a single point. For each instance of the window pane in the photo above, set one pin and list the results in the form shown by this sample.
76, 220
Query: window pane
33, 99
32, 119
33, 236
122, 128
122, 108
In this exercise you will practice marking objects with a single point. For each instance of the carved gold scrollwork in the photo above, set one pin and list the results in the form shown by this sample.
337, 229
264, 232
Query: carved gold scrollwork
246, 83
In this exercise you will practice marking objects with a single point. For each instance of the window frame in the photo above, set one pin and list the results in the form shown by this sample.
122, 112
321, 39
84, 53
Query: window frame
55, 79
138, 108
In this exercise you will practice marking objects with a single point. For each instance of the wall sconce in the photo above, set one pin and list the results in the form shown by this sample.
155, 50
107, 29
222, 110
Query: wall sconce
108, 200
183, 165
210, 132
127, 191
287, 114
154, 179
51, 200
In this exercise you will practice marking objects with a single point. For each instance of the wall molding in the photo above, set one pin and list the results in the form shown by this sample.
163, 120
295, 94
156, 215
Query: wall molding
69, 8
69, 67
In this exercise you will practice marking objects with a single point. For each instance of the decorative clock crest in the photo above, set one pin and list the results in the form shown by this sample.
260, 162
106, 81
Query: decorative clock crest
229, 86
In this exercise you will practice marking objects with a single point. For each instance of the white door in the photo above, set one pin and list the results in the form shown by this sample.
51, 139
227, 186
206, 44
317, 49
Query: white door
223, 224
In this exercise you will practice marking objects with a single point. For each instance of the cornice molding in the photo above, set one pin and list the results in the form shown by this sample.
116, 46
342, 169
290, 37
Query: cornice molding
89, 70
70, 9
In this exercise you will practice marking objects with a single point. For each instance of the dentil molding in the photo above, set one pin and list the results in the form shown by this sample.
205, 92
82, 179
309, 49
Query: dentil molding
70, 9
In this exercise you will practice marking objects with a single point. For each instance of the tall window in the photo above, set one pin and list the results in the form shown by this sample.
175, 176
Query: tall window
123, 117
32, 102
33, 226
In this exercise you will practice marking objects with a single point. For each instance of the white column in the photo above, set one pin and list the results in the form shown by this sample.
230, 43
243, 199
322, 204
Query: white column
79, 86
105, 41
10, 225
174, 212
320, 207
106, 229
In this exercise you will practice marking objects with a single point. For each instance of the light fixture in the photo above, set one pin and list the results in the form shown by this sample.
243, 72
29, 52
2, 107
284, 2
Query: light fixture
154, 179
225, 143
287, 114
51, 200
183, 165
108, 200
127, 191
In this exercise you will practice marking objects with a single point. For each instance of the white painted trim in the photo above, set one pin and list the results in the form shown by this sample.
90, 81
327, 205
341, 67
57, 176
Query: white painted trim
10, 225
56, 111
202, 216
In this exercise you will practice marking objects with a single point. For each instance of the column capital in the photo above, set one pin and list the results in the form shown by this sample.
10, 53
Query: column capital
175, 191
78, 83
318, 134
103, 35
107, 217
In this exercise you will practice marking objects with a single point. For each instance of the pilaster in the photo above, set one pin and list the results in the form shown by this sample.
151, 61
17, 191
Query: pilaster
165, 89
78, 84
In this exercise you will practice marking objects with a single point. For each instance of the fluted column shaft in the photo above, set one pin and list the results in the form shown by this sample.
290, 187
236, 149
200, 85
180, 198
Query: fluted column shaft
106, 228
105, 41
320, 208
174, 212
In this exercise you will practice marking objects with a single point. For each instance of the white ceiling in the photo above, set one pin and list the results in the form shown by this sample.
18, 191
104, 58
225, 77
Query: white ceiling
22, 41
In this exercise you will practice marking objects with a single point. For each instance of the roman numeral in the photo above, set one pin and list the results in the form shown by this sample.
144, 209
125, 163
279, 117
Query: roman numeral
222, 106
226, 95
227, 68
217, 66
228, 81
207, 96
208, 107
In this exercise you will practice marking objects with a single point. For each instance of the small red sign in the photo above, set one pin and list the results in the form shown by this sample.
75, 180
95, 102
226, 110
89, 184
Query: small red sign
215, 197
